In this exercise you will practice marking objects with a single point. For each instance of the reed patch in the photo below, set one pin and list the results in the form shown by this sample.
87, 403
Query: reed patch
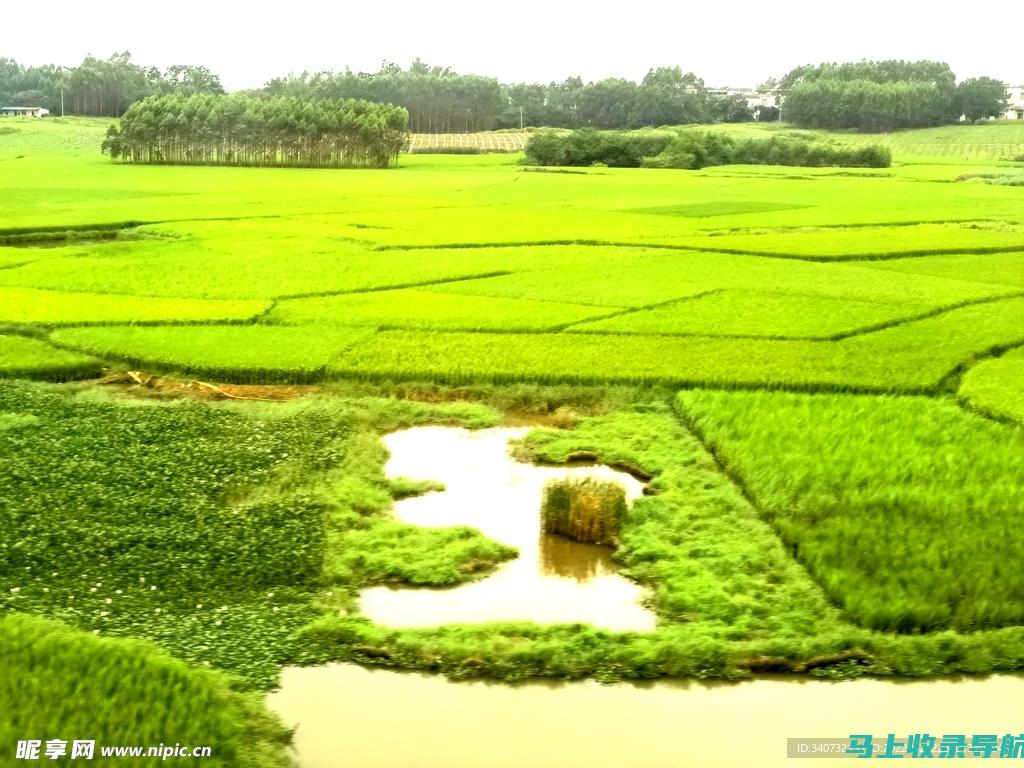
584, 509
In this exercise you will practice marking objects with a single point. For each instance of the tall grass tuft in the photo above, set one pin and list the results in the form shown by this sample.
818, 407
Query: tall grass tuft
587, 510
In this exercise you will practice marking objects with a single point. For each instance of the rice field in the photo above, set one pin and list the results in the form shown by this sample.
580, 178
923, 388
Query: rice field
994, 386
912, 357
913, 497
27, 357
819, 370
26, 306
487, 141
996, 140
249, 353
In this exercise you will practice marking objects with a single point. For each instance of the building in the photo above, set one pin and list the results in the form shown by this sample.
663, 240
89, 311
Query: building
1015, 103
23, 112
756, 100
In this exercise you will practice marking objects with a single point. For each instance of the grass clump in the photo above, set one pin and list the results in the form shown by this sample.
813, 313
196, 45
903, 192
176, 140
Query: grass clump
584, 509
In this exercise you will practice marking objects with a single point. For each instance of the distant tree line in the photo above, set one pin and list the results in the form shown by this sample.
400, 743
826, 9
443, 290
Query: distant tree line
886, 95
442, 101
98, 87
866, 95
437, 99
240, 130
694, 149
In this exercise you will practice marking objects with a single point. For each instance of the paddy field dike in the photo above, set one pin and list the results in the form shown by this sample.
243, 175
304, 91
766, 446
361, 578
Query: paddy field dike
819, 373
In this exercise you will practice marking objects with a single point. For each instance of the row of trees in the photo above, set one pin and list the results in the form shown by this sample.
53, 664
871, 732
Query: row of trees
241, 130
689, 149
101, 87
866, 95
886, 95
442, 101
438, 99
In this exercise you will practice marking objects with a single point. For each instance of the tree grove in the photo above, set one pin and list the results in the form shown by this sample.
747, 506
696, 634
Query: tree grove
241, 130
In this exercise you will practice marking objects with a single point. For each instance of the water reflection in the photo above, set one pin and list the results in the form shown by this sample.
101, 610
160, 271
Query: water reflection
568, 559
553, 580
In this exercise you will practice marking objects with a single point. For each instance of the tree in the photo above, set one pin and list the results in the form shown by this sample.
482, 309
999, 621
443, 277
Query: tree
669, 97
979, 97
729, 109
99, 87
242, 130
189, 79
885, 95
31, 98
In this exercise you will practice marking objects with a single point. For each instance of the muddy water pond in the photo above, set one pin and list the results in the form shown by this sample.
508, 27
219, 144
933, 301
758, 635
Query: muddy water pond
355, 717
553, 580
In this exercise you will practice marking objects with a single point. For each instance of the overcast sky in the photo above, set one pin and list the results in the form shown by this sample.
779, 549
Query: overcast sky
726, 43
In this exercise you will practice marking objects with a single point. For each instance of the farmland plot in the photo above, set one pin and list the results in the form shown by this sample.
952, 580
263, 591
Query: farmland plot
818, 370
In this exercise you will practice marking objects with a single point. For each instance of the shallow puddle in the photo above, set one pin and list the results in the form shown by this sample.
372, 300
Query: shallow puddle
553, 580
355, 717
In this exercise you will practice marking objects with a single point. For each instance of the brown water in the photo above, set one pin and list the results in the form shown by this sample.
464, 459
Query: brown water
553, 580
352, 717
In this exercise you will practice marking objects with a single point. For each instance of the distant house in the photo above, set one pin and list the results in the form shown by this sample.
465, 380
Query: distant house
756, 100
23, 112
1015, 103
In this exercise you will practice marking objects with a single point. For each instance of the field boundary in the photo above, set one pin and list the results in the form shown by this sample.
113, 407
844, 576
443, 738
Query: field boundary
843, 258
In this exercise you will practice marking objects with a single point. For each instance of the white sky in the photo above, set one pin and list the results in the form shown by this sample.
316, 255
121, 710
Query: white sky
727, 43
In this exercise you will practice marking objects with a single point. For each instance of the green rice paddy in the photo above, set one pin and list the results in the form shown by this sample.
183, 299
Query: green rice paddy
820, 370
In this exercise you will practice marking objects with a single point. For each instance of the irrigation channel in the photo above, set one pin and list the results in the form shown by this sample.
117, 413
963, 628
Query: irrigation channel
347, 715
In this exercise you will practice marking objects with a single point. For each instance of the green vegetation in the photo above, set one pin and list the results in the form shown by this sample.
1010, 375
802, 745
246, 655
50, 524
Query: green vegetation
858, 518
753, 313
691, 150
999, 269
31, 307
241, 130
209, 530
990, 141
586, 146
877, 496
64, 683
730, 598
996, 386
887, 95
874, 243
98, 86
32, 358
249, 353
880, 95
586, 510
442, 101
914, 356
427, 309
